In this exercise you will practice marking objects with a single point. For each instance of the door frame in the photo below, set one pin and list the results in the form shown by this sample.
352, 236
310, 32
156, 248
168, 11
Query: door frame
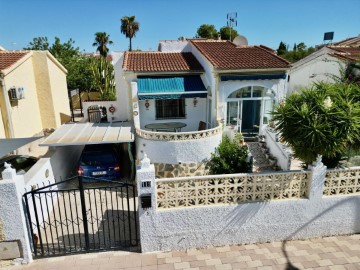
240, 106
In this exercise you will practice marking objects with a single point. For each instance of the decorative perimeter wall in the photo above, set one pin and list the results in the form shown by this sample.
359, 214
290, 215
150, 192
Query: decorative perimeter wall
194, 212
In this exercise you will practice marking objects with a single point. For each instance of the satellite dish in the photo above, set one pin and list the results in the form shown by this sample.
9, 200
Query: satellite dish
240, 41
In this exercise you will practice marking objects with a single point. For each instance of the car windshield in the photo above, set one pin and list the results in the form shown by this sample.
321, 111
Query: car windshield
96, 159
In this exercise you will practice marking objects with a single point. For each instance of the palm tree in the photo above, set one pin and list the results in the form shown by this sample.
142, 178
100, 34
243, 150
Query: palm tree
101, 40
129, 27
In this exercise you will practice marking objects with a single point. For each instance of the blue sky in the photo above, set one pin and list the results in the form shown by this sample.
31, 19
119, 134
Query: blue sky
264, 22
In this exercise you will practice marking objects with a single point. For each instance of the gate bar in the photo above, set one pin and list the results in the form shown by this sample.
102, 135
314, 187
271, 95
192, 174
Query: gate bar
83, 210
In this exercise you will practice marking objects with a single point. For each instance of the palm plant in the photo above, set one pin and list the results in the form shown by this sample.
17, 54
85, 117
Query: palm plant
129, 27
101, 41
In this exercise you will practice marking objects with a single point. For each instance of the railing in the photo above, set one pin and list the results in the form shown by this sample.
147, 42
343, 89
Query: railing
178, 136
342, 182
231, 189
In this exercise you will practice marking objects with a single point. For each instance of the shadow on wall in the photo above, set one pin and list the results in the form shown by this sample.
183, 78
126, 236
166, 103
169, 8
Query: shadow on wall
64, 118
353, 200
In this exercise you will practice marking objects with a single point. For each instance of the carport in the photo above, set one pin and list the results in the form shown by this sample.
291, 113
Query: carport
91, 133
70, 216
81, 134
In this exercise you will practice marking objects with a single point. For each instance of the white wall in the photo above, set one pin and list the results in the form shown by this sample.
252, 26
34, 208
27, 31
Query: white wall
193, 114
116, 116
123, 89
173, 152
198, 227
12, 215
313, 68
278, 150
64, 160
174, 46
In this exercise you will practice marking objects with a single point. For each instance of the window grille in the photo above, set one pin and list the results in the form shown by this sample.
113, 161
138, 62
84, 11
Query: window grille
170, 108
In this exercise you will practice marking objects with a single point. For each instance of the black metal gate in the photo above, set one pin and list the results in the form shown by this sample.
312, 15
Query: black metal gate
71, 217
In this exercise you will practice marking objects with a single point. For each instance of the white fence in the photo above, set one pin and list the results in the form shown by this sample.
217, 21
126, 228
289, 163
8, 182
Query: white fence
245, 208
178, 147
230, 189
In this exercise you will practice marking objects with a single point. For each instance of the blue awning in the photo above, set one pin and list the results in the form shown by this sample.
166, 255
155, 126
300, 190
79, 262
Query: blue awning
171, 87
253, 77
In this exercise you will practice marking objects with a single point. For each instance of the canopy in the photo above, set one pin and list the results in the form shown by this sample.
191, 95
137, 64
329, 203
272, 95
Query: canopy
9, 145
171, 87
90, 133
244, 77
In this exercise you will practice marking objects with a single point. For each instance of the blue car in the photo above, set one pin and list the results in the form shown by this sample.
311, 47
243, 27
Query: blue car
98, 162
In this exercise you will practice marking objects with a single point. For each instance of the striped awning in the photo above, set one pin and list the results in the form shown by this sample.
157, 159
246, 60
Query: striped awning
171, 87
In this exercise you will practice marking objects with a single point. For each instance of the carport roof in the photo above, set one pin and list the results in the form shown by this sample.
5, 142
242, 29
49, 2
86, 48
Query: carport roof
90, 133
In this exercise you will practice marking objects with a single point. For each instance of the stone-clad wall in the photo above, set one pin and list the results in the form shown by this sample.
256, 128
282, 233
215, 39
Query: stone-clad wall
164, 170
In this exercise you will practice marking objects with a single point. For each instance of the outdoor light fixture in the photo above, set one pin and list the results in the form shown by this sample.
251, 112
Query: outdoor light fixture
147, 104
195, 102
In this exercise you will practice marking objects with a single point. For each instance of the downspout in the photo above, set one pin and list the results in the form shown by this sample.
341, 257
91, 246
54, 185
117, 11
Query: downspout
8, 124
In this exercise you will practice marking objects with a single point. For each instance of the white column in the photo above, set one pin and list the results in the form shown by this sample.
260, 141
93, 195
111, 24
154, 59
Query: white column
135, 104
146, 187
12, 214
318, 173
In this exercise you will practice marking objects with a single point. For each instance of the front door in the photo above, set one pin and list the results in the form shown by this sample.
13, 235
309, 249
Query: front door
244, 115
250, 116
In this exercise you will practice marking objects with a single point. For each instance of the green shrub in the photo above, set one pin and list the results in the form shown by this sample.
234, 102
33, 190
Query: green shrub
322, 120
230, 157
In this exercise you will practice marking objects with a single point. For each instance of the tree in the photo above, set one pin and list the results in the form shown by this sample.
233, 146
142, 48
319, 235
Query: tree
321, 120
207, 31
298, 52
230, 157
101, 41
282, 48
77, 65
129, 27
225, 33
38, 43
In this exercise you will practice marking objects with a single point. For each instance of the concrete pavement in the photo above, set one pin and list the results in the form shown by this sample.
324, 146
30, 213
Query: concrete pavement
341, 252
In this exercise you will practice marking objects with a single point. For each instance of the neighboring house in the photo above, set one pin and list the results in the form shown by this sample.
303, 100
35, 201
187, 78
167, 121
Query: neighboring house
324, 64
201, 84
33, 93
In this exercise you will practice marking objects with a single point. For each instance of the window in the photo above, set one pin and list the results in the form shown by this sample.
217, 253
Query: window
170, 108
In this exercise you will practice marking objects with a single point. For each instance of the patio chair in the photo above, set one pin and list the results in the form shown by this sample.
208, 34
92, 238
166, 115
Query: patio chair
202, 126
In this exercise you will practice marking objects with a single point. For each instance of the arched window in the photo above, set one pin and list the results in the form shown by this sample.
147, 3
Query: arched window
251, 92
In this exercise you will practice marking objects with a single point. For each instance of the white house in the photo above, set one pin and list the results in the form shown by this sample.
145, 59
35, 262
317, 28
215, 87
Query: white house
193, 87
324, 64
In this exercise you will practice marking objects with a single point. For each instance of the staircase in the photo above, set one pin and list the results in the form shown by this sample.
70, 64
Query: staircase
261, 155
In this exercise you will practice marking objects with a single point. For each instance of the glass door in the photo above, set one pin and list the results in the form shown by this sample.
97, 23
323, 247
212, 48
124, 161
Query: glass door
251, 116
234, 114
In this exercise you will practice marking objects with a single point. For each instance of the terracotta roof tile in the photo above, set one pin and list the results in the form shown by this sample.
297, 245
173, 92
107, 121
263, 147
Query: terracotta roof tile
349, 42
226, 55
347, 53
160, 61
7, 59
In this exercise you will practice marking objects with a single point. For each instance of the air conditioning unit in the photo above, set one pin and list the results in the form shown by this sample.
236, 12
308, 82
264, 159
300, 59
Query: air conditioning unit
16, 93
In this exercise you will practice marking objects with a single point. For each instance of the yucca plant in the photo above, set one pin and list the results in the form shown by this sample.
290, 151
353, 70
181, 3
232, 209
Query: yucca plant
322, 120
103, 73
